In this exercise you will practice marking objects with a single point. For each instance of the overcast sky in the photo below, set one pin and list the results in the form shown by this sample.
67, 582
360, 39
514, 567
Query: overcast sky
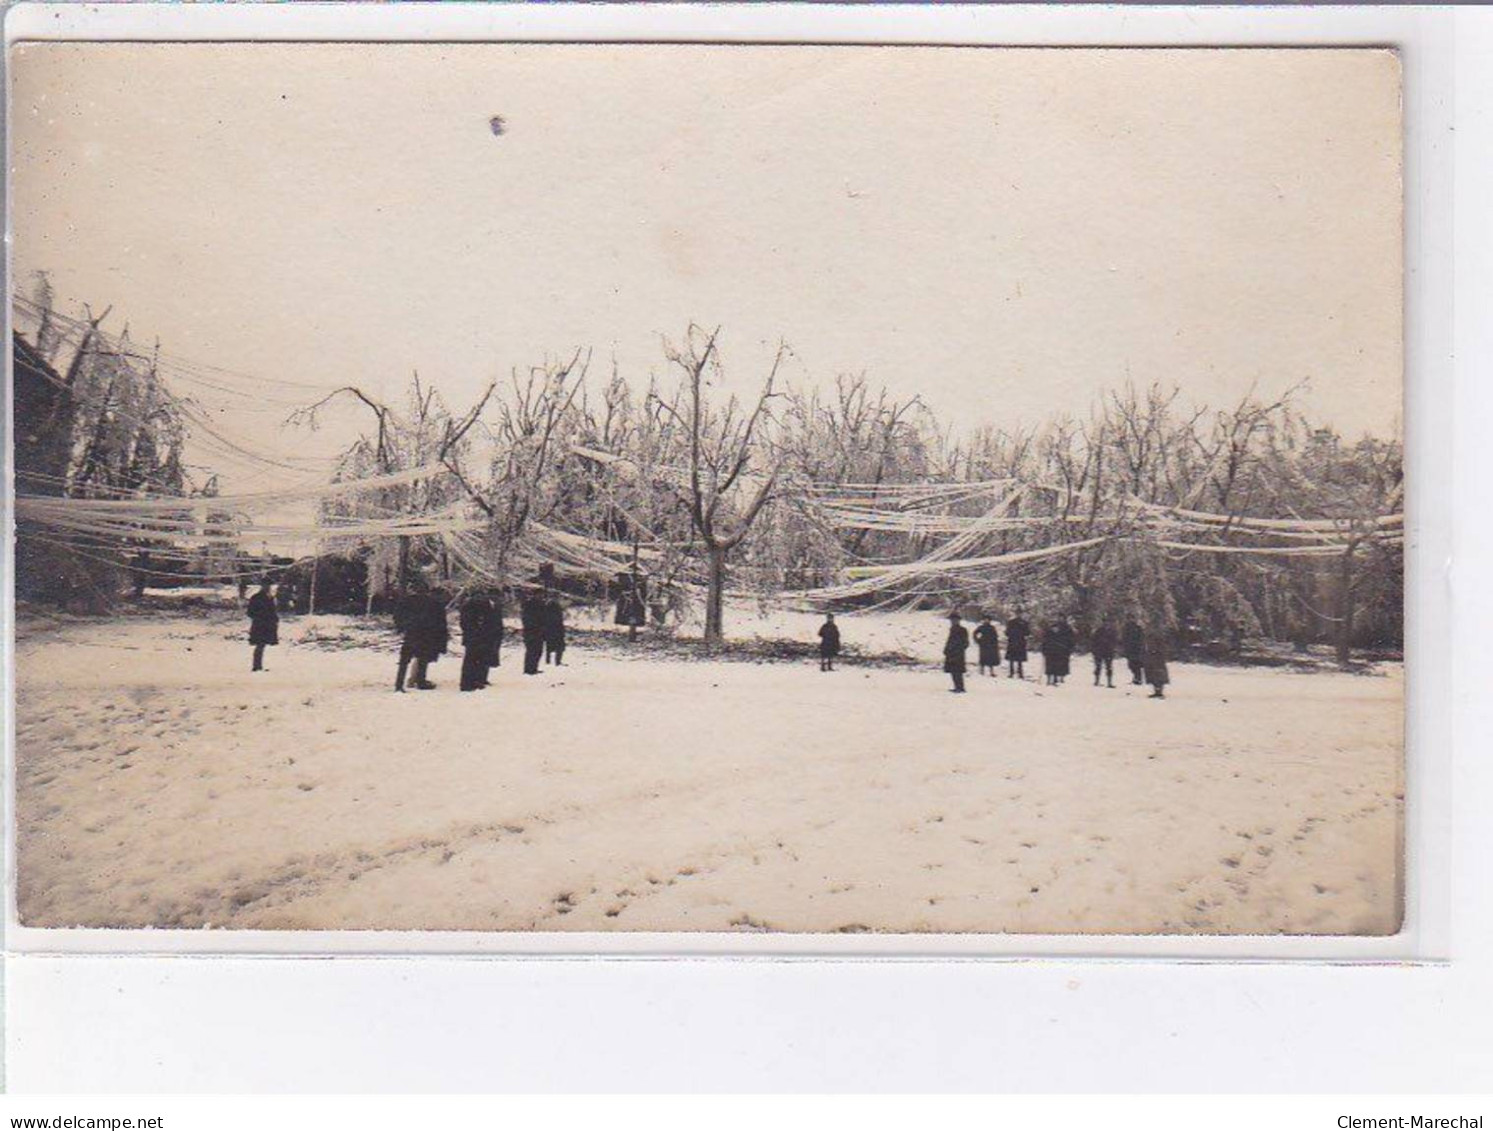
1005, 233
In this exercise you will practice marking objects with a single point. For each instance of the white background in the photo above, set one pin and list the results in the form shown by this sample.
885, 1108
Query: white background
144, 1023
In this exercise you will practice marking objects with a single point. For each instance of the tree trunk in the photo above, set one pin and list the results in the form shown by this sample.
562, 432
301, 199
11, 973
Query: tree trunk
715, 596
404, 563
1345, 604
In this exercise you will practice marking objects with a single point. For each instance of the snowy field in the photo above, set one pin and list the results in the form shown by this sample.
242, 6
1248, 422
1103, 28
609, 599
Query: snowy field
160, 784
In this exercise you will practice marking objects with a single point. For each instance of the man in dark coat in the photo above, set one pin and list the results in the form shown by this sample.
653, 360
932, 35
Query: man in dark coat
1153, 657
953, 652
421, 618
1018, 632
829, 643
531, 615
554, 631
1132, 644
264, 623
1102, 644
478, 640
988, 641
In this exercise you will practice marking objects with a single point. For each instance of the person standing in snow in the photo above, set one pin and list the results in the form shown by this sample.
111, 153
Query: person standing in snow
1018, 632
988, 641
1057, 651
632, 601
829, 643
1102, 645
1154, 660
954, 648
1049, 649
531, 617
264, 623
554, 632
1067, 641
1132, 643
477, 641
421, 618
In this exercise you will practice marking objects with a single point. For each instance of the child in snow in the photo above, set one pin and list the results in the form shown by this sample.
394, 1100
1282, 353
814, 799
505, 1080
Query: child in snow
829, 643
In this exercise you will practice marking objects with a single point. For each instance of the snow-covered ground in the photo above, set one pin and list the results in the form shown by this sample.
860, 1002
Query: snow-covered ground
159, 783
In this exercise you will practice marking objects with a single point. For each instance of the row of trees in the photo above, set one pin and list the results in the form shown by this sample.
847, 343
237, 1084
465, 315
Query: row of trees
693, 484
720, 490
93, 420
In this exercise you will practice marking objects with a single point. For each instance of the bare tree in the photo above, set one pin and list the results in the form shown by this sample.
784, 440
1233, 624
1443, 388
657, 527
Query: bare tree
424, 435
528, 482
727, 449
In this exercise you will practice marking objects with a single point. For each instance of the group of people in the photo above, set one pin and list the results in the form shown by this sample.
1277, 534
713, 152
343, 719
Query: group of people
542, 618
420, 617
1145, 651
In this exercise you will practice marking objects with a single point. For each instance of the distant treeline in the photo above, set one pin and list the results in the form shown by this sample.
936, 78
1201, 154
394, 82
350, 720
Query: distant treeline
702, 493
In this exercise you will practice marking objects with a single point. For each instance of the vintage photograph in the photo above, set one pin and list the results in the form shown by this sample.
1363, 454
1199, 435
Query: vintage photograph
678, 488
